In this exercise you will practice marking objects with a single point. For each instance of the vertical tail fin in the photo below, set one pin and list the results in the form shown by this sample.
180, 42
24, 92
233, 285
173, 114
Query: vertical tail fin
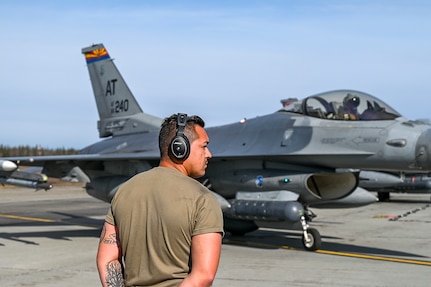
119, 112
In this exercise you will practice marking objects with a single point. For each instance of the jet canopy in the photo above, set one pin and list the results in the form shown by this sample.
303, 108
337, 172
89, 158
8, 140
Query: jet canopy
342, 105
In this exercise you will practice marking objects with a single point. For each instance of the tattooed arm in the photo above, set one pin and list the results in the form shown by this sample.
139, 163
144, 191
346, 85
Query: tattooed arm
109, 258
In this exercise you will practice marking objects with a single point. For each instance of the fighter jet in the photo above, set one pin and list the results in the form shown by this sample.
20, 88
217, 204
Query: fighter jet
265, 171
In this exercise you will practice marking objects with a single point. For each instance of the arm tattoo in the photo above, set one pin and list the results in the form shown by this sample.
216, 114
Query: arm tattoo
114, 277
111, 239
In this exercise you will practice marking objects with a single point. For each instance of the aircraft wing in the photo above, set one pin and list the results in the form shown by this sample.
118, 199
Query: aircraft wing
40, 160
61, 166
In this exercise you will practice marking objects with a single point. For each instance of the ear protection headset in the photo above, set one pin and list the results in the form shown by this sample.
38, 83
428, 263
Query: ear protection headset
179, 148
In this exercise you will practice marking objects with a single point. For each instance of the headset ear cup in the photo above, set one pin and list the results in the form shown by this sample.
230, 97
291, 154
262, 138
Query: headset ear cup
180, 147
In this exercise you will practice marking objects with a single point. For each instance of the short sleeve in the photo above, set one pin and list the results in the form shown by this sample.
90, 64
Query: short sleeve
209, 217
110, 216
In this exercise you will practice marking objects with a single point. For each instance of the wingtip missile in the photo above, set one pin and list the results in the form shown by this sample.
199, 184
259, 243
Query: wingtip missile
6, 165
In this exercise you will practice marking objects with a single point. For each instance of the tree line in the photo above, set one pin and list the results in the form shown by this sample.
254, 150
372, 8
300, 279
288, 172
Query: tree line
26, 150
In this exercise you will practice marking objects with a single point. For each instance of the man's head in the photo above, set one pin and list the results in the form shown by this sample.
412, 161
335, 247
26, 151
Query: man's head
183, 144
351, 102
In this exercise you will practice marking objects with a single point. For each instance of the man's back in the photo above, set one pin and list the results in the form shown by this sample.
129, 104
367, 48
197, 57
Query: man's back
157, 213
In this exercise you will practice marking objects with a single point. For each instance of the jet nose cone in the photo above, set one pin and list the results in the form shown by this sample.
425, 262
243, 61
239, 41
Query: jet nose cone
423, 151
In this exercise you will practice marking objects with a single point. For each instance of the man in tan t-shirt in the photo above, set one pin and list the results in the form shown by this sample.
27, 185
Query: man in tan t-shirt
164, 228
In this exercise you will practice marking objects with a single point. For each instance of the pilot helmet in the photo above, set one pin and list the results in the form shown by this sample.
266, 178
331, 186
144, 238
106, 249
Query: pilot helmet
351, 101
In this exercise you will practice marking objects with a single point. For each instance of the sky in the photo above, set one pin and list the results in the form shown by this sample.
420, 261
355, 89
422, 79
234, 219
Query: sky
222, 60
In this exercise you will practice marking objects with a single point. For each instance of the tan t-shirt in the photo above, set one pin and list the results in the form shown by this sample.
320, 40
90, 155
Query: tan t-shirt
157, 212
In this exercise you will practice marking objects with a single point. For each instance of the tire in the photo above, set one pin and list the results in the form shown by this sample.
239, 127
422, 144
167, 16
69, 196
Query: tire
315, 240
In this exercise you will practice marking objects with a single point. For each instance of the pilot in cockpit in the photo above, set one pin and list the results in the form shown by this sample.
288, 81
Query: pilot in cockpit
349, 109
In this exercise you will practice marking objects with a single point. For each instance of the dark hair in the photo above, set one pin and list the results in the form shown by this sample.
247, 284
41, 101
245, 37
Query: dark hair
169, 129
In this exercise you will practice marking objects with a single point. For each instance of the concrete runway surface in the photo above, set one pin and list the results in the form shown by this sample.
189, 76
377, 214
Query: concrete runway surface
50, 239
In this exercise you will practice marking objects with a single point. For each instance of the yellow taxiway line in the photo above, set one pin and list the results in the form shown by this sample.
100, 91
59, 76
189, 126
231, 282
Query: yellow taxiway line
375, 257
37, 219
336, 253
27, 218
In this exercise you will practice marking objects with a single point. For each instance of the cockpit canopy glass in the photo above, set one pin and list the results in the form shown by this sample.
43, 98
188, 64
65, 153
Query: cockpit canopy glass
342, 105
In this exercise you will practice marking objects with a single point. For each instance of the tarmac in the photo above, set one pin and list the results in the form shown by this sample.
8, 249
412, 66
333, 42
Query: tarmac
50, 238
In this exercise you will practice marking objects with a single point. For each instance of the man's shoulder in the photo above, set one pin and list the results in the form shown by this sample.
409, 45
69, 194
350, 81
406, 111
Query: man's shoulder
167, 177
156, 172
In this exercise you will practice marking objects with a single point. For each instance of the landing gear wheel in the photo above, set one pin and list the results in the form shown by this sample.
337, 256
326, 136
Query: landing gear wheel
314, 241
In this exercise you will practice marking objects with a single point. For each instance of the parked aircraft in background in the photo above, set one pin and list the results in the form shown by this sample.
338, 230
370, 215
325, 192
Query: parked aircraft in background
9, 174
265, 171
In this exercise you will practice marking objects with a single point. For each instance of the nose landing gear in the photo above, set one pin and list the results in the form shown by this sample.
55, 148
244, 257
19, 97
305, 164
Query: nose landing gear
311, 239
